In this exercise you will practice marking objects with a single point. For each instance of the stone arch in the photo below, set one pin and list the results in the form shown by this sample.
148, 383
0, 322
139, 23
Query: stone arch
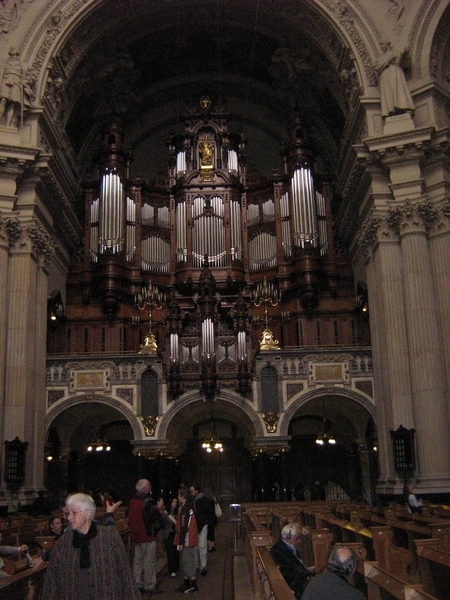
425, 37
318, 393
54, 25
128, 415
193, 397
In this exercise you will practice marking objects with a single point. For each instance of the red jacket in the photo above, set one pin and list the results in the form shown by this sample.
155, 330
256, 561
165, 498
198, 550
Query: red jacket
138, 535
186, 527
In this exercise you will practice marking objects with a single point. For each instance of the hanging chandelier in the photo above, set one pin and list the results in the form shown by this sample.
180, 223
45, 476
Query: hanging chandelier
212, 443
99, 445
325, 437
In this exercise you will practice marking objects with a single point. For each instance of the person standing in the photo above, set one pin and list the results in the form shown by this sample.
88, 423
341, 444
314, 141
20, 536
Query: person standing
144, 543
90, 561
173, 557
332, 584
204, 514
186, 538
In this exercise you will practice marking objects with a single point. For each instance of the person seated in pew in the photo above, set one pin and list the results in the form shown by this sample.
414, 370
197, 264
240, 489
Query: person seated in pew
413, 503
286, 555
332, 584
56, 526
12, 551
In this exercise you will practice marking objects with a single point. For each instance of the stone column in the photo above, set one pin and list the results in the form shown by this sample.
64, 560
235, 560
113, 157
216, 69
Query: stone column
439, 244
389, 339
425, 348
24, 407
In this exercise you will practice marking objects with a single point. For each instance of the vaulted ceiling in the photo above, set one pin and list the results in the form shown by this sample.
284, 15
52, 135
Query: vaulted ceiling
144, 63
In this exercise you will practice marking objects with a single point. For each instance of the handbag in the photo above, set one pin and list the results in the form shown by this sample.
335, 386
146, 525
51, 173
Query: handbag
217, 508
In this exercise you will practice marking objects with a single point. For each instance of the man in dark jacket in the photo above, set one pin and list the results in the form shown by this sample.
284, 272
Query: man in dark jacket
144, 543
285, 554
204, 514
332, 584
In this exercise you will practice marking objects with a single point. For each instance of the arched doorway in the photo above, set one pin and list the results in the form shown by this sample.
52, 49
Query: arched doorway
344, 469
71, 467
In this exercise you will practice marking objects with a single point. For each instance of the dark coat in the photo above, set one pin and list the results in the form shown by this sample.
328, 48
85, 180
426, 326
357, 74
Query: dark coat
291, 567
329, 586
111, 576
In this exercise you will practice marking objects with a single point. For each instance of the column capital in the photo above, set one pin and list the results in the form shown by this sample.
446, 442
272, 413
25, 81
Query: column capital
30, 238
9, 230
411, 217
375, 229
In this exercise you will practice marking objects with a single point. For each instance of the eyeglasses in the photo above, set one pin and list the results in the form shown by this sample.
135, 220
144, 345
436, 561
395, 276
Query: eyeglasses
74, 513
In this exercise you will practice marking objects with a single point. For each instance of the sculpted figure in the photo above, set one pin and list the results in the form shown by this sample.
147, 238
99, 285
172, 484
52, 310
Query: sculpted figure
205, 149
394, 92
11, 88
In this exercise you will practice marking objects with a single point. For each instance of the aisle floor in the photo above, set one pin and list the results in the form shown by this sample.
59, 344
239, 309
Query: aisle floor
219, 583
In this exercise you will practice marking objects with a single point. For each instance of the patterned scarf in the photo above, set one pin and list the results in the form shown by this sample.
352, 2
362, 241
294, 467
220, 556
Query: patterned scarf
81, 541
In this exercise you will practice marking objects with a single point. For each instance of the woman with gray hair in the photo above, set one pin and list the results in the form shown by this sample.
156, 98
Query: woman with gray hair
89, 562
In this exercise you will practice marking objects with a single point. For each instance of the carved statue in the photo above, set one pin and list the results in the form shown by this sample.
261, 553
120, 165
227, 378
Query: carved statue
205, 149
394, 92
11, 89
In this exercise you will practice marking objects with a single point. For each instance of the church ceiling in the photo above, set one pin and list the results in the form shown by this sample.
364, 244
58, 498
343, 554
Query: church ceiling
145, 63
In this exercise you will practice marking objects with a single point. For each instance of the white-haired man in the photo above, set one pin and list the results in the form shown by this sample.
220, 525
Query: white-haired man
89, 561
285, 554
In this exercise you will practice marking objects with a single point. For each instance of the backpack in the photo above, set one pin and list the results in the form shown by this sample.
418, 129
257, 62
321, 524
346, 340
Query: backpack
153, 519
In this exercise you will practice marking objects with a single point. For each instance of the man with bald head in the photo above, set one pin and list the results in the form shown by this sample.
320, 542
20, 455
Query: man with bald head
144, 543
332, 584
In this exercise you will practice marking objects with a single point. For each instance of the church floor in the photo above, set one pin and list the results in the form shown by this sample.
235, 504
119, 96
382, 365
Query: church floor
228, 577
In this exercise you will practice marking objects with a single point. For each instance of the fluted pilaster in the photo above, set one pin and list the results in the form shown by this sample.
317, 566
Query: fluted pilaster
425, 346
439, 243
389, 337
24, 403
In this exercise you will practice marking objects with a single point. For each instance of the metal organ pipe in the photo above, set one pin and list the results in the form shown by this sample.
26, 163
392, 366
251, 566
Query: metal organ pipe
285, 225
232, 161
207, 338
304, 208
242, 345
93, 246
111, 214
181, 232
262, 252
322, 216
174, 347
236, 230
155, 255
131, 229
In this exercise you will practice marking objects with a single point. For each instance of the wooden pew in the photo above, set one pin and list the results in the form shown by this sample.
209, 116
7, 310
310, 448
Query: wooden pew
254, 536
271, 583
434, 566
399, 561
382, 585
27, 584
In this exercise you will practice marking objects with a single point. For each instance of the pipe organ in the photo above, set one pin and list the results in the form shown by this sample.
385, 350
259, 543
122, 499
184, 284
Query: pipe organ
206, 233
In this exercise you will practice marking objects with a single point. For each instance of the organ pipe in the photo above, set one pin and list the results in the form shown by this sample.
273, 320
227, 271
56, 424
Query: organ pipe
111, 209
304, 221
